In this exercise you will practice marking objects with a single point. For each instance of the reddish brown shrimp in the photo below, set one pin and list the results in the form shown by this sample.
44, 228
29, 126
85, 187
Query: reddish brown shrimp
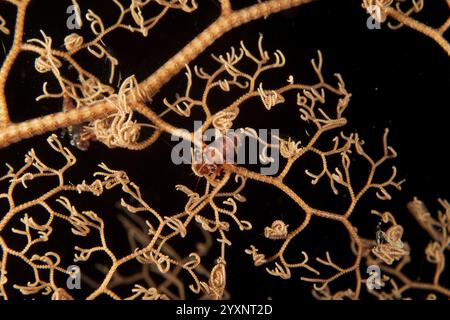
215, 157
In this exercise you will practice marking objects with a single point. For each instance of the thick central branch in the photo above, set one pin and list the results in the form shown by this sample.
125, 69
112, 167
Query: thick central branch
149, 87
